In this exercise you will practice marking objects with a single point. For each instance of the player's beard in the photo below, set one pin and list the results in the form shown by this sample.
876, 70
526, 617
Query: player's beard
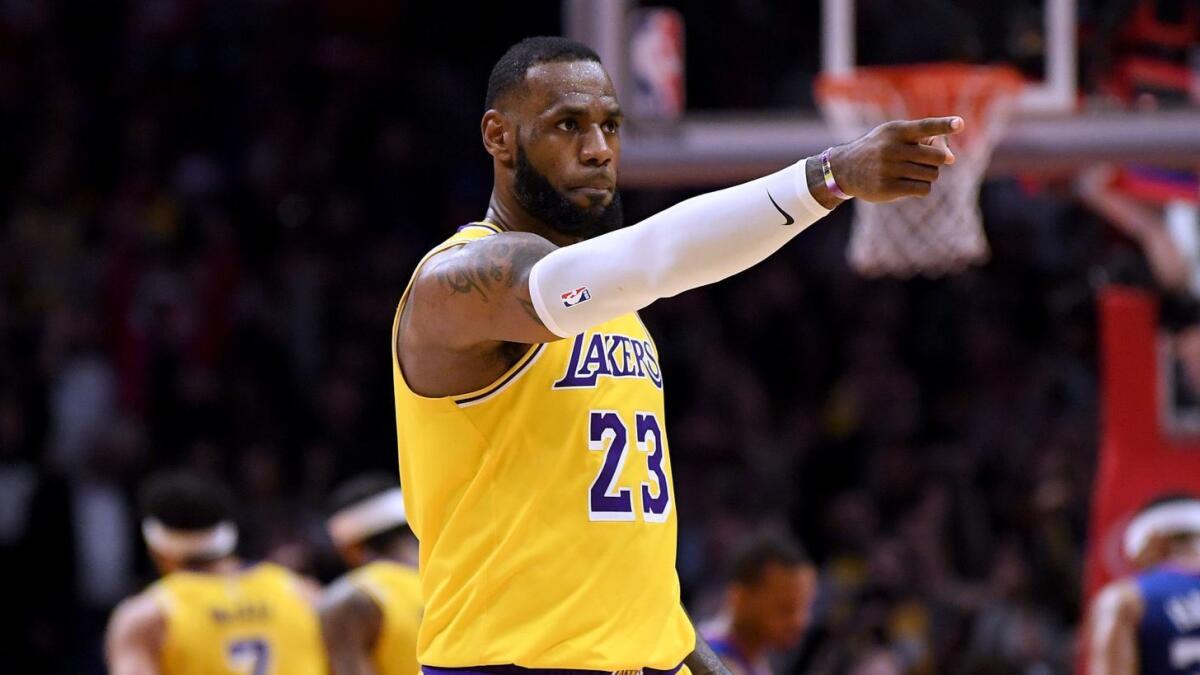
535, 193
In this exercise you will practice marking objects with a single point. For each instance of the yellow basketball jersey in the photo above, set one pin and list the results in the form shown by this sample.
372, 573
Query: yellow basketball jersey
545, 508
253, 623
396, 589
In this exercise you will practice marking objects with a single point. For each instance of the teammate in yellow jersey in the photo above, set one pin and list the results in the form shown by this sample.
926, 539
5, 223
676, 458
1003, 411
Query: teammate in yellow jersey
369, 617
529, 405
211, 613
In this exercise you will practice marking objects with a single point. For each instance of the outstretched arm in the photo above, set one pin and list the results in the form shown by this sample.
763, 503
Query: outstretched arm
134, 637
1113, 642
350, 623
517, 287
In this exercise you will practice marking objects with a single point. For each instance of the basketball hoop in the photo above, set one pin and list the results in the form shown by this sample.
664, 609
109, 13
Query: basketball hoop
942, 232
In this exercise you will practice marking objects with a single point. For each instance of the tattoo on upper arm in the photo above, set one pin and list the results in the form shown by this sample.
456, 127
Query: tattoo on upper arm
491, 266
529, 309
476, 275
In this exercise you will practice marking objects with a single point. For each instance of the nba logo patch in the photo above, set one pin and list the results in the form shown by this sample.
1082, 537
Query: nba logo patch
572, 298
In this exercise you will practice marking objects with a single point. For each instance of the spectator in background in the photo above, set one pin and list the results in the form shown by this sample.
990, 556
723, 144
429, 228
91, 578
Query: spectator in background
103, 517
768, 605
36, 543
1010, 626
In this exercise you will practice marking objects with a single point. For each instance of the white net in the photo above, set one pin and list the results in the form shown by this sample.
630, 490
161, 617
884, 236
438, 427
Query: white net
943, 232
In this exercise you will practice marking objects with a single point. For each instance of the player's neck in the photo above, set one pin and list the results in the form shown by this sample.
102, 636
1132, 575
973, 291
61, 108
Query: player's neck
503, 210
398, 553
226, 565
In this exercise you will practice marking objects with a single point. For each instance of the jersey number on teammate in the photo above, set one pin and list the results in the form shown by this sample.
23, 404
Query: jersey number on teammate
250, 655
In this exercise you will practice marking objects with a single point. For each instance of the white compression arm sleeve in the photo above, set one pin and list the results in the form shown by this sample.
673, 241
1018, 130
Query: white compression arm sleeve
696, 242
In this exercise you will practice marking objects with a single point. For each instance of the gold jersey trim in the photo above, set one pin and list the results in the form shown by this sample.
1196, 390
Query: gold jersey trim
489, 225
505, 380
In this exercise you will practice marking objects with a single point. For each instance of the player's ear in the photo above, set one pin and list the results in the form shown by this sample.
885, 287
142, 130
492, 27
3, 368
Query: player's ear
499, 136
353, 554
164, 565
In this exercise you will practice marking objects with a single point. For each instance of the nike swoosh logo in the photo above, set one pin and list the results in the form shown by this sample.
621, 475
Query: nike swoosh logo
785, 214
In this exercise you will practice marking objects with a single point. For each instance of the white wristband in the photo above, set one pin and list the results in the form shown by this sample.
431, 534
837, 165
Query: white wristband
694, 243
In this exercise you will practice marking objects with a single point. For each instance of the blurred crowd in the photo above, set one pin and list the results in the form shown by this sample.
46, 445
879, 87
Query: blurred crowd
208, 212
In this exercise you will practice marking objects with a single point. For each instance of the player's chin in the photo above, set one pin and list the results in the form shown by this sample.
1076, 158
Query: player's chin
591, 199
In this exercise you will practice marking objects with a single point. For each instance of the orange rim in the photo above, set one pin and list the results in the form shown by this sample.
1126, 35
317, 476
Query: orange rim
924, 90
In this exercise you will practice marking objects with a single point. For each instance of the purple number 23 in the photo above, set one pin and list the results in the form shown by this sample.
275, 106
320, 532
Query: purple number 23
608, 433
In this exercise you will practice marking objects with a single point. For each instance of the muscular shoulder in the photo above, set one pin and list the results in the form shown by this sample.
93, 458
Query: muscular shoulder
309, 590
469, 316
348, 613
1120, 598
491, 257
138, 624
472, 280
138, 615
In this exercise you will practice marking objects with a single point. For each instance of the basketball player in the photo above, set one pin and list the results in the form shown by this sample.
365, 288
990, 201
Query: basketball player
211, 613
1150, 623
767, 606
369, 617
529, 404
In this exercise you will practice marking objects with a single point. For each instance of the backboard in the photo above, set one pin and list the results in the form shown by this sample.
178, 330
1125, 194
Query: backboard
1055, 92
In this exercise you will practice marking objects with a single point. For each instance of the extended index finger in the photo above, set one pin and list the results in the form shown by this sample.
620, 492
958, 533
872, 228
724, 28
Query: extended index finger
916, 130
933, 152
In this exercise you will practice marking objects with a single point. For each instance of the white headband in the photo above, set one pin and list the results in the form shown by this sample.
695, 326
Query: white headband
214, 542
367, 518
1170, 518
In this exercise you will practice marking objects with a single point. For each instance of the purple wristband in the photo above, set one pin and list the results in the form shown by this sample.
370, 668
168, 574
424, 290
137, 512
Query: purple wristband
827, 172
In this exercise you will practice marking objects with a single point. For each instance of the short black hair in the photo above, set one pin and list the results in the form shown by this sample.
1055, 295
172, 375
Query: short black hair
186, 500
752, 559
509, 72
1168, 498
363, 487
